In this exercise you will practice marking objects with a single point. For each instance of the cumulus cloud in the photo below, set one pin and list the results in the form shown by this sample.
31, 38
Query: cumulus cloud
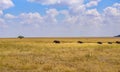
33, 19
44, 2
74, 20
52, 2
9, 16
94, 18
113, 12
52, 12
4, 4
93, 12
66, 2
1, 12
92, 3
79, 18
111, 18
2, 23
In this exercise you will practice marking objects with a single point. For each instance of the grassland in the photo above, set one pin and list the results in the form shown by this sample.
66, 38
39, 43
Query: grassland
42, 55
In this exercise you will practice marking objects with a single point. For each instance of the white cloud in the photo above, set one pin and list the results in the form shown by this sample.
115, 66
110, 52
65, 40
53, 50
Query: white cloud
94, 18
111, 18
52, 2
4, 4
2, 23
74, 20
33, 19
1, 12
112, 11
52, 12
117, 5
92, 3
9, 16
93, 12
50, 16
71, 3
45, 2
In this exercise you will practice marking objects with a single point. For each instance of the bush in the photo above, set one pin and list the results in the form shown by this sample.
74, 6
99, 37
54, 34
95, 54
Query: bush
20, 37
117, 36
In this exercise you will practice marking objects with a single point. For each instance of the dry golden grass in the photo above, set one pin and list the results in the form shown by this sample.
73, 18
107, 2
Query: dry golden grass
42, 55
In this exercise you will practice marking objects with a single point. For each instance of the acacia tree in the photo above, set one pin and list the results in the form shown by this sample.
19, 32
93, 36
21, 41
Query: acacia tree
20, 37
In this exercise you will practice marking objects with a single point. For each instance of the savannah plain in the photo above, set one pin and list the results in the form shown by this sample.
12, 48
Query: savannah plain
42, 55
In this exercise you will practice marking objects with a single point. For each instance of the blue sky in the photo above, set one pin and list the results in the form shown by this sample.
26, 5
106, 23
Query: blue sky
22, 6
25, 6
59, 18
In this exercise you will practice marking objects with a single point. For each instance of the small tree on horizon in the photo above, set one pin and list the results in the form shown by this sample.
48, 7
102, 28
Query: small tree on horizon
20, 37
117, 36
